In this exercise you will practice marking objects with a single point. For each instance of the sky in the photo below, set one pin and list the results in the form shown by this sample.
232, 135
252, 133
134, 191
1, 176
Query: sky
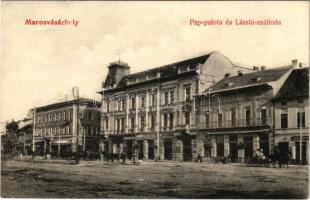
41, 64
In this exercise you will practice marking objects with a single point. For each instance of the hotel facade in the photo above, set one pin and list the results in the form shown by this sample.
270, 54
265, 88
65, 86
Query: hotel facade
154, 109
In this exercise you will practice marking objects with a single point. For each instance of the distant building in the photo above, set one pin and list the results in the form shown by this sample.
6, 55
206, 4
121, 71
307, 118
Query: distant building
65, 126
238, 116
25, 135
153, 109
292, 115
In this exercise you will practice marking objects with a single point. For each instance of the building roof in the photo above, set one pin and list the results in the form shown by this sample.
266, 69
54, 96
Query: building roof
256, 78
81, 101
24, 123
164, 71
296, 85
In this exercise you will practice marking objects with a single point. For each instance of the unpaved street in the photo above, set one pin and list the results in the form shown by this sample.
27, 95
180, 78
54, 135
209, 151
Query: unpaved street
95, 179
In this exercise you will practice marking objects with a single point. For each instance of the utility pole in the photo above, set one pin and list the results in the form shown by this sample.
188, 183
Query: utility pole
300, 142
58, 144
158, 122
33, 130
75, 92
84, 141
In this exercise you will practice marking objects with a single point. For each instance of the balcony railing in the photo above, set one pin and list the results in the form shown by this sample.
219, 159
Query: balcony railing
237, 123
168, 128
151, 129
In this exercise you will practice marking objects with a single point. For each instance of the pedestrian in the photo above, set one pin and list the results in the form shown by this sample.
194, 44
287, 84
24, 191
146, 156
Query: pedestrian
134, 158
123, 157
199, 158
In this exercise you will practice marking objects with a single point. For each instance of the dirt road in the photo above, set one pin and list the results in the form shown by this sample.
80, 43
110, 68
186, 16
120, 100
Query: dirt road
95, 179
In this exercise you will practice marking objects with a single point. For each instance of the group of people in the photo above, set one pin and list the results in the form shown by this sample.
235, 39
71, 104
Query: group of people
259, 154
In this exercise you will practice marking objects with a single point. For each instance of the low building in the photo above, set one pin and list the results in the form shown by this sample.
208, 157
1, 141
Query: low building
238, 114
292, 116
153, 109
64, 127
25, 135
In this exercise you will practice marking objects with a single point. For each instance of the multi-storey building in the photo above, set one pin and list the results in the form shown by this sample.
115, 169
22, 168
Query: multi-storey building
153, 109
65, 126
292, 116
238, 114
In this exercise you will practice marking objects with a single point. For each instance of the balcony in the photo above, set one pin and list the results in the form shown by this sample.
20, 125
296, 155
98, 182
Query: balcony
184, 127
237, 123
151, 129
170, 128
131, 130
152, 108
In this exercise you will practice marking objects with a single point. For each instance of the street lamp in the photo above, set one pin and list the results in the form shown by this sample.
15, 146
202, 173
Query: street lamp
75, 92
300, 142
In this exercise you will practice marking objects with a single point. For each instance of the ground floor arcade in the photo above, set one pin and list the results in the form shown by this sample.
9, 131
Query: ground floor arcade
189, 147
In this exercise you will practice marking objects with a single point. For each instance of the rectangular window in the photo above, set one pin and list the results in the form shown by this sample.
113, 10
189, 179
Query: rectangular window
106, 124
154, 99
152, 121
171, 120
187, 92
300, 119
220, 120
123, 124
233, 117
142, 102
142, 122
207, 121
248, 116
165, 121
171, 96
166, 98
119, 105
133, 103
284, 120
187, 118
123, 104
132, 123
108, 106
264, 115
117, 125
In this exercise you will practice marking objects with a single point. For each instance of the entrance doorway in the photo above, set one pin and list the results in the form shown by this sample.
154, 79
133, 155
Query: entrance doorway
129, 149
168, 149
151, 149
233, 149
248, 146
140, 153
220, 145
187, 149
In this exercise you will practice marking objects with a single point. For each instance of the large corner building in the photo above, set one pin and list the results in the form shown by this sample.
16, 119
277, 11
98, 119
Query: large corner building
154, 109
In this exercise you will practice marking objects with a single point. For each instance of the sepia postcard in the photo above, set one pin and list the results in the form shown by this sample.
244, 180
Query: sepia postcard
154, 99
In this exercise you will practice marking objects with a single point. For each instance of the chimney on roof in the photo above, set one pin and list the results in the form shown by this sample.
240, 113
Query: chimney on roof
294, 62
262, 68
240, 73
255, 68
300, 65
227, 75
